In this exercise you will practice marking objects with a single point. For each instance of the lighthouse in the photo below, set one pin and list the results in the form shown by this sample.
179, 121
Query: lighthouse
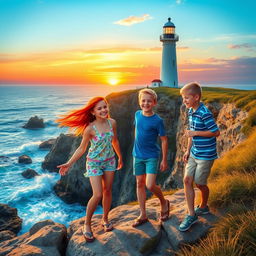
169, 74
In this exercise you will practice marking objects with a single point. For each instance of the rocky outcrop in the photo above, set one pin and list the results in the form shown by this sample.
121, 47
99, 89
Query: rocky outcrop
44, 238
59, 152
29, 173
152, 238
34, 123
47, 144
24, 159
74, 187
9, 219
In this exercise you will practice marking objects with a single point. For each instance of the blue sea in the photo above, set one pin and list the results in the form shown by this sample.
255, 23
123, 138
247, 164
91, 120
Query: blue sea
35, 198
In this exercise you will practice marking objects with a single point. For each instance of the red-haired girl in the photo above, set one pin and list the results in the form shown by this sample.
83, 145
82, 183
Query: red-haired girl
94, 124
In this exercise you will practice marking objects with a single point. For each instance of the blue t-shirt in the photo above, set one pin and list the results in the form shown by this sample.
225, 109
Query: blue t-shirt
203, 148
147, 130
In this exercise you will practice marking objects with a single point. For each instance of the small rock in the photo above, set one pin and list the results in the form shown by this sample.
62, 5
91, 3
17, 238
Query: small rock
34, 122
24, 159
29, 173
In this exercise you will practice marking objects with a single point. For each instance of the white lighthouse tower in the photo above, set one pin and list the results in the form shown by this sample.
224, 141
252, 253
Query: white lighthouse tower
169, 74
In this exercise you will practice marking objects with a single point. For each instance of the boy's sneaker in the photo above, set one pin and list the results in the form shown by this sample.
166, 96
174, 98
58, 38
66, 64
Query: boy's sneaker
188, 222
201, 211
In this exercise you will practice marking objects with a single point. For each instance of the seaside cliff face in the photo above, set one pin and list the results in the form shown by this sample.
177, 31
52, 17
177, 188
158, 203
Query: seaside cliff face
74, 187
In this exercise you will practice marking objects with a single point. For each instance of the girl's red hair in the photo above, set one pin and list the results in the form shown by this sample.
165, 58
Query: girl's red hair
79, 119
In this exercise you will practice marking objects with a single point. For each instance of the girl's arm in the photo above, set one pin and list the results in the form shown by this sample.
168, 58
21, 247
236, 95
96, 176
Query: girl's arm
78, 153
116, 146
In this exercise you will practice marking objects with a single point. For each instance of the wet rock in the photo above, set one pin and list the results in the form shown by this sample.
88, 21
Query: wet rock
34, 122
24, 159
9, 219
29, 173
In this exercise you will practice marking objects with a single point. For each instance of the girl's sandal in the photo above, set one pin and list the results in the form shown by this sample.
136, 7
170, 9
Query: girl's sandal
107, 226
165, 215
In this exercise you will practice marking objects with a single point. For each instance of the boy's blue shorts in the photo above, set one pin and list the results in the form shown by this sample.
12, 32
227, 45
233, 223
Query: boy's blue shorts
145, 166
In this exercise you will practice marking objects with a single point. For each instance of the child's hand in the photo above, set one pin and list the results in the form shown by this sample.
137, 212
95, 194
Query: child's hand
163, 166
63, 168
186, 156
120, 164
190, 133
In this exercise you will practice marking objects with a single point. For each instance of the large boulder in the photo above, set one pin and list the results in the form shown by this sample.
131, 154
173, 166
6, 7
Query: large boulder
47, 144
34, 123
9, 219
59, 152
44, 238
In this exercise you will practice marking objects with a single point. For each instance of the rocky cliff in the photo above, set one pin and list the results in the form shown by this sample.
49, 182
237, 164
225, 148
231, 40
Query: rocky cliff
74, 187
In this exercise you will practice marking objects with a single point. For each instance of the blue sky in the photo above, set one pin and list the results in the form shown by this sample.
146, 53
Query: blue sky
221, 30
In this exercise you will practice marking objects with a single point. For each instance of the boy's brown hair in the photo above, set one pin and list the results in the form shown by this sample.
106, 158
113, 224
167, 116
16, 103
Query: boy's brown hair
150, 92
193, 88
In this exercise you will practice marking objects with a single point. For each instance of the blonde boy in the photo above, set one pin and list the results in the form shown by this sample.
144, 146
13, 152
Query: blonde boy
148, 126
200, 154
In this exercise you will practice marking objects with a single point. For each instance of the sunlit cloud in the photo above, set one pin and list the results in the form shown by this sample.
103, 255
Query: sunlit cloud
233, 70
131, 20
246, 46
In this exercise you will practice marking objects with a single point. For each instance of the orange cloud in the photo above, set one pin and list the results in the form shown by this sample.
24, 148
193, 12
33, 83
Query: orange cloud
131, 20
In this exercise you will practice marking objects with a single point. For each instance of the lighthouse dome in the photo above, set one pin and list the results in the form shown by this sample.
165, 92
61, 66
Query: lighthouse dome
169, 24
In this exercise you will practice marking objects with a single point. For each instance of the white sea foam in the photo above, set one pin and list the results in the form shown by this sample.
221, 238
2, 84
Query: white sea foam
29, 147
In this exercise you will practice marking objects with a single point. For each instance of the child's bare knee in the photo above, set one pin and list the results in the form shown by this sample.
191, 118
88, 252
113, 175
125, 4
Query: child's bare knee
150, 186
97, 196
140, 183
188, 180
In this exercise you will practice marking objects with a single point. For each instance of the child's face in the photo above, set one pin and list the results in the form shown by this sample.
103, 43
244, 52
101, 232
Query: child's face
146, 102
100, 110
190, 100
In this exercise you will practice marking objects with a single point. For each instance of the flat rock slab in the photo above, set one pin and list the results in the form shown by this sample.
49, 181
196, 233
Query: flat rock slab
123, 240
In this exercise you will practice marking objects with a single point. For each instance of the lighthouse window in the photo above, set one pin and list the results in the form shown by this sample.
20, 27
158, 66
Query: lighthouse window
169, 30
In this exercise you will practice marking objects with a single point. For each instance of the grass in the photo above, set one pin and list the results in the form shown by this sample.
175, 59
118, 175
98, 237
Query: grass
233, 188
241, 158
233, 235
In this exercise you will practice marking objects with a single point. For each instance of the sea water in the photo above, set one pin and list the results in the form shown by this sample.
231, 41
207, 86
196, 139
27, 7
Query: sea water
34, 198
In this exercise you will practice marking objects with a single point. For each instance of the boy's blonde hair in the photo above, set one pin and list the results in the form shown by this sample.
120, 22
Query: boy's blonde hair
148, 91
193, 88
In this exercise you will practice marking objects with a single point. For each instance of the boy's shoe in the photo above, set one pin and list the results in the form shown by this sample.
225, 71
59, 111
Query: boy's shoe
188, 222
201, 211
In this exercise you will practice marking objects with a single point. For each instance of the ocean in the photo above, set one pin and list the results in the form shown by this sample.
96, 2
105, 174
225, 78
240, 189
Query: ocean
34, 198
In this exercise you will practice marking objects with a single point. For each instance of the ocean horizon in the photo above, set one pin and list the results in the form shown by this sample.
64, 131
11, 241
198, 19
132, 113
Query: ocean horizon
35, 198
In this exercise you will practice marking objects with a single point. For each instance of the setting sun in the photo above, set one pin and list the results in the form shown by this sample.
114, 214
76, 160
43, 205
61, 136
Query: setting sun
113, 81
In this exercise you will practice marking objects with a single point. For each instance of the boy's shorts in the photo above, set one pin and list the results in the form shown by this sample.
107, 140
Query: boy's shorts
199, 169
145, 166
98, 168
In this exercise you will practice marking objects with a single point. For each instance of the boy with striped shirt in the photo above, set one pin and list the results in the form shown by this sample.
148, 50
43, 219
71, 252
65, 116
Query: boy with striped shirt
200, 154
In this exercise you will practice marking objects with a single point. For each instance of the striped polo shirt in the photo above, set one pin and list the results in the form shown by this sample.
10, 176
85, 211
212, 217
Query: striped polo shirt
203, 148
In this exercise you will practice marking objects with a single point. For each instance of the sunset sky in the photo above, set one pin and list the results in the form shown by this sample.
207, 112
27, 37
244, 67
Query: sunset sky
117, 42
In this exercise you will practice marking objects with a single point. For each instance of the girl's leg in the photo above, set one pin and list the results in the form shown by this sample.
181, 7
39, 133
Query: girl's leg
107, 182
141, 194
156, 190
94, 200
